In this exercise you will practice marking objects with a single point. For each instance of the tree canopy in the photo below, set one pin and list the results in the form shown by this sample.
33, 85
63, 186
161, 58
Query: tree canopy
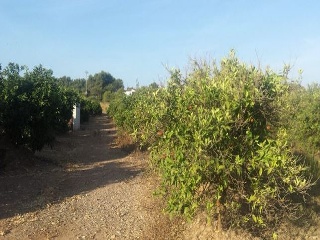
95, 86
33, 107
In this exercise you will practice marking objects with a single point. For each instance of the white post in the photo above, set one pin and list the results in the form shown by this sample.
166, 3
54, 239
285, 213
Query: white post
76, 117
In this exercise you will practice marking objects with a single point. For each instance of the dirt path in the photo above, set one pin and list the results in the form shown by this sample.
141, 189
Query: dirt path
87, 188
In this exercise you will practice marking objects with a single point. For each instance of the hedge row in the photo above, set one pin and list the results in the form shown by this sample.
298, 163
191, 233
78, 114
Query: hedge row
34, 107
217, 139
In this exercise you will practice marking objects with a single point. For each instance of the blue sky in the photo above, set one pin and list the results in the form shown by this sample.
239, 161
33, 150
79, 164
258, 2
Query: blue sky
135, 39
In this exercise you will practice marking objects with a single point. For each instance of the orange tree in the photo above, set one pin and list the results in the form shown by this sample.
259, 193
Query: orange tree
216, 138
33, 107
302, 121
89, 107
139, 114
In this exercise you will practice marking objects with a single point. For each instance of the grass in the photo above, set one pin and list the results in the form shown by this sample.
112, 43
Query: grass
104, 106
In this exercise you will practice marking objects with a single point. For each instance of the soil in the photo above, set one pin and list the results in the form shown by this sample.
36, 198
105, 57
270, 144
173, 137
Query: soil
87, 186
84, 187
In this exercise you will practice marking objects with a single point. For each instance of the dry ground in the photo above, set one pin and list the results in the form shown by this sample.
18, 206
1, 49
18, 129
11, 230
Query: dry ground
87, 187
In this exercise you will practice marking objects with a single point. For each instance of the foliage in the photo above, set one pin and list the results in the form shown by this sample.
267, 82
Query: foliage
119, 108
89, 107
216, 138
2, 102
139, 114
33, 107
76, 85
65, 82
154, 85
95, 86
302, 121
101, 82
114, 86
109, 96
79, 85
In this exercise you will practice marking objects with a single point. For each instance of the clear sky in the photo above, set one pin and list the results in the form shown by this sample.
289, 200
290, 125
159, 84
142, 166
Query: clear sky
135, 39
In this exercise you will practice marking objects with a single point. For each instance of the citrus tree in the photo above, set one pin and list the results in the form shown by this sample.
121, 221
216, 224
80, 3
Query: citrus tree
216, 137
33, 107
302, 121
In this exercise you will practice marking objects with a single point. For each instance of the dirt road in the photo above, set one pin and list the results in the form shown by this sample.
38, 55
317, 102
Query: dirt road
85, 187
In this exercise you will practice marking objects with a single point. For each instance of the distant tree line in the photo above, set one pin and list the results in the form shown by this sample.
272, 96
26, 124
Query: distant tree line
95, 87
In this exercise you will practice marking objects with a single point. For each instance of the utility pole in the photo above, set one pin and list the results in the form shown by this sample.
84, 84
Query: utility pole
86, 72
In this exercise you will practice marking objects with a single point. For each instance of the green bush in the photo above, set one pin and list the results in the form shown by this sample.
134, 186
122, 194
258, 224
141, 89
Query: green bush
33, 107
217, 140
89, 107
139, 114
302, 121
107, 96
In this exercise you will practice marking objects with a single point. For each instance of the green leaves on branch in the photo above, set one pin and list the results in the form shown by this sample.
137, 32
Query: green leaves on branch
33, 107
215, 136
89, 107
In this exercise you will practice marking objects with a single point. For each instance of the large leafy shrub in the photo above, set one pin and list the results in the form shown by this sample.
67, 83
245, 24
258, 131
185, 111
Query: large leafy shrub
140, 114
302, 121
89, 107
216, 138
33, 107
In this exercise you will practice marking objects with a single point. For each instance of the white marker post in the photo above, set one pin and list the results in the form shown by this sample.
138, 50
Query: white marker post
76, 117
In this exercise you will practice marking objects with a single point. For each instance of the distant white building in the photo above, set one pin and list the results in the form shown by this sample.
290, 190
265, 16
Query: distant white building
129, 91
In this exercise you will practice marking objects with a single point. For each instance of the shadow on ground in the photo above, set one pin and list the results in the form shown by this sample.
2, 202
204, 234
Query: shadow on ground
78, 162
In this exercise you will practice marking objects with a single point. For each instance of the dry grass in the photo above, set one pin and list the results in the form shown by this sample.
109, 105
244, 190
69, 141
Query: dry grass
104, 106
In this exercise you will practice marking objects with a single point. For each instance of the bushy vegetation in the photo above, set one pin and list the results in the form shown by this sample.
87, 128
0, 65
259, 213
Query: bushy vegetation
219, 138
99, 86
89, 107
302, 121
33, 108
